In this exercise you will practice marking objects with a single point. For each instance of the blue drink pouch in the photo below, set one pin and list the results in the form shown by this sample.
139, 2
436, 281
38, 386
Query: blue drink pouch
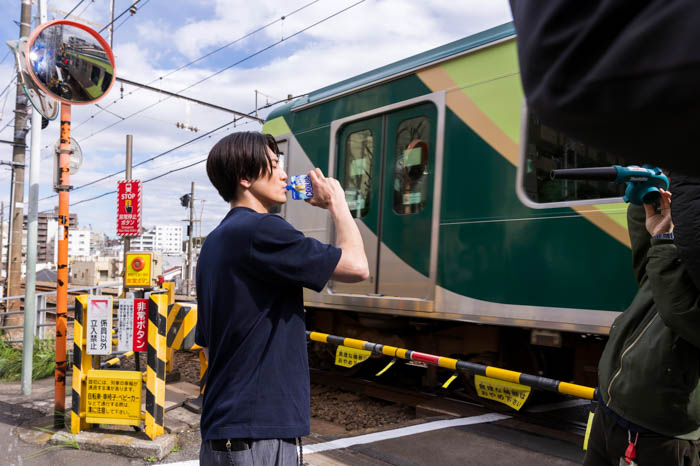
301, 187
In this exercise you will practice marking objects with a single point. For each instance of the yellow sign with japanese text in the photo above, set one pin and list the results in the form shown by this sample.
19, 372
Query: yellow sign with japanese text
113, 397
137, 272
512, 394
348, 357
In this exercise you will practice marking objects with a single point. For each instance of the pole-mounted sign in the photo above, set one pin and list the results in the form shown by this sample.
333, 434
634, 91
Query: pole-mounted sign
129, 208
73, 64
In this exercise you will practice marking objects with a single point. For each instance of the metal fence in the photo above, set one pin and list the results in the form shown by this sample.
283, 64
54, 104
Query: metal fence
42, 308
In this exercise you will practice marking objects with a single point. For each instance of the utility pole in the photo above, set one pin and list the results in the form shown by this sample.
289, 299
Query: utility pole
21, 110
30, 303
111, 23
8, 256
189, 243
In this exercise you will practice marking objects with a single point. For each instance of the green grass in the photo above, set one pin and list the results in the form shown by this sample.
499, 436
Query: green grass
43, 363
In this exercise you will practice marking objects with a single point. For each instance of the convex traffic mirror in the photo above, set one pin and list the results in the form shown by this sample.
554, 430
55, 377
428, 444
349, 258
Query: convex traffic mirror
70, 62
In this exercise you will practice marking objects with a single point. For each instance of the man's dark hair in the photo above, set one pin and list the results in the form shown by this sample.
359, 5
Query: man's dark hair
239, 156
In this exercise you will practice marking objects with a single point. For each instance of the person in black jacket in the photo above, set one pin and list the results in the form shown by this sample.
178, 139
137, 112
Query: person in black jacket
648, 374
621, 76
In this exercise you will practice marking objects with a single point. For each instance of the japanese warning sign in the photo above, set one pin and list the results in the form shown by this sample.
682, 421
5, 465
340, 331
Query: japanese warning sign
129, 208
140, 324
348, 357
125, 325
509, 393
99, 325
114, 397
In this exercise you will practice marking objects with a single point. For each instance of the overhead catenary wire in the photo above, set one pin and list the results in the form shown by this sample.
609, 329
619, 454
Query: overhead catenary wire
206, 55
169, 172
150, 159
136, 2
130, 16
74, 8
216, 73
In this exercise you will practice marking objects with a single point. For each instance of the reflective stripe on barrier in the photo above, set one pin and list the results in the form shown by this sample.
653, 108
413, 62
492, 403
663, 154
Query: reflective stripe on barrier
543, 383
82, 363
155, 371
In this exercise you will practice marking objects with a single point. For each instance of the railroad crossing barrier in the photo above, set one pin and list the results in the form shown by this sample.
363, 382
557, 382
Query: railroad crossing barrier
510, 377
114, 397
182, 320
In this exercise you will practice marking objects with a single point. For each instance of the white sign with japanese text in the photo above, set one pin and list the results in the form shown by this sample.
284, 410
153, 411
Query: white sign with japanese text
99, 325
125, 325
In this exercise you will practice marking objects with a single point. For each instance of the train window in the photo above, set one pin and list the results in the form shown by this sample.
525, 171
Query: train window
95, 74
547, 149
357, 176
106, 81
411, 165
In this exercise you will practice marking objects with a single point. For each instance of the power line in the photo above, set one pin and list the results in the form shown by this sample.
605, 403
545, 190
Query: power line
245, 36
206, 78
130, 16
87, 7
143, 162
169, 172
74, 8
136, 2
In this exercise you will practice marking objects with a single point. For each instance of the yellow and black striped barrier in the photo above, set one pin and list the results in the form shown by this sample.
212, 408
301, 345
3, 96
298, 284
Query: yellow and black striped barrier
155, 371
535, 381
82, 363
182, 320
116, 359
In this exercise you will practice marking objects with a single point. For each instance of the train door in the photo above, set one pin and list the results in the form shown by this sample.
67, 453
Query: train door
386, 166
359, 172
407, 210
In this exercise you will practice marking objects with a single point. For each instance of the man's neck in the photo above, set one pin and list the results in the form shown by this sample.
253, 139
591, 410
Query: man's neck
251, 202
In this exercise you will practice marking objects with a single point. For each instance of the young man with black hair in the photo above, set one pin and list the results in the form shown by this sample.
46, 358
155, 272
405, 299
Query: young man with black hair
250, 276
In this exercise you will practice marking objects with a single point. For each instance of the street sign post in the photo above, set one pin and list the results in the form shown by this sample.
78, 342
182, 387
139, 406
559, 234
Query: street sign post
59, 53
129, 208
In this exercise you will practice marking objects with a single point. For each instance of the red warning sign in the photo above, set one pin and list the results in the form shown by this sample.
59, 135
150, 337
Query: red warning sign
140, 324
129, 208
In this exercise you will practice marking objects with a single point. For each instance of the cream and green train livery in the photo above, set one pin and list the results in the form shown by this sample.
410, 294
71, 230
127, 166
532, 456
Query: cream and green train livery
448, 200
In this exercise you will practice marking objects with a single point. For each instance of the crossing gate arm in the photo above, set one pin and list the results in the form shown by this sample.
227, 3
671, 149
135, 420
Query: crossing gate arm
543, 383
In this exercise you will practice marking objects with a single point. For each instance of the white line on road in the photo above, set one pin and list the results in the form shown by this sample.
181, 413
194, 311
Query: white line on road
388, 434
412, 430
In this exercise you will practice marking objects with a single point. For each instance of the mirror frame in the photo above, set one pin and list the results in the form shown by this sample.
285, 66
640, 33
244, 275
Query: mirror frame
35, 33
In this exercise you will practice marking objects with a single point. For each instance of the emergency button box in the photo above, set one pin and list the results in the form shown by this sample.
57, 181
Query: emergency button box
138, 269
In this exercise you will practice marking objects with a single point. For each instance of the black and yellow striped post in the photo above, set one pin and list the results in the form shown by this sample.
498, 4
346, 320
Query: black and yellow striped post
535, 381
82, 363
203, 366
155, 371
183, 320
169, 288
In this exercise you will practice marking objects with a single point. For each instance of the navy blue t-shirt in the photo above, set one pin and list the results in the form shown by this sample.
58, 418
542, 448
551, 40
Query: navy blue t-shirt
250, 275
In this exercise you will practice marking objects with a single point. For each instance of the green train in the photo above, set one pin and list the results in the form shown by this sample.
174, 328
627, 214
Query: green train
473, 250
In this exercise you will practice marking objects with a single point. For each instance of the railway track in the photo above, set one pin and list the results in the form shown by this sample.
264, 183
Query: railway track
563, 419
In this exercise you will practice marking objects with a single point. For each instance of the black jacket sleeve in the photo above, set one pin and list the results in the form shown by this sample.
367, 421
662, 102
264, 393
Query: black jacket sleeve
676, 298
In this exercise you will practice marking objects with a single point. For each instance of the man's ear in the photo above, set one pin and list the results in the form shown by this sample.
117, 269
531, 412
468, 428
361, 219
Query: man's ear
246, 184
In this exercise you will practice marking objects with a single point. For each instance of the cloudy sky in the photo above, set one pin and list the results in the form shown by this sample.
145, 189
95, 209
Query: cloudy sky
165, 35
